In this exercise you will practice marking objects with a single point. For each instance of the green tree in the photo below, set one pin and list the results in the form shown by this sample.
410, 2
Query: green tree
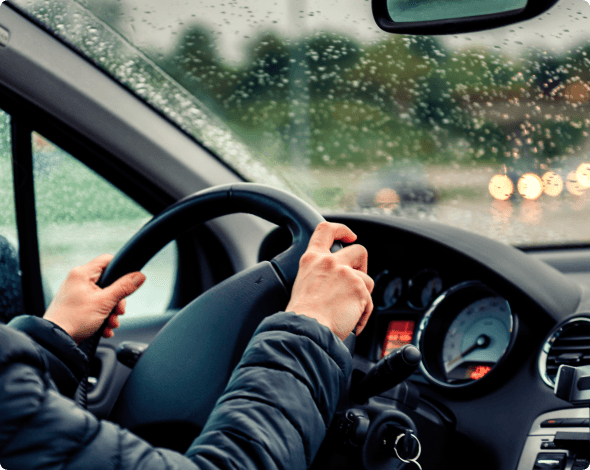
267, 72
545, 70
329, 56
195, 65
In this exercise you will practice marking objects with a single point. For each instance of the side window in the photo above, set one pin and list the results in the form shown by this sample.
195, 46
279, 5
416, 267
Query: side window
11, 303
80, 215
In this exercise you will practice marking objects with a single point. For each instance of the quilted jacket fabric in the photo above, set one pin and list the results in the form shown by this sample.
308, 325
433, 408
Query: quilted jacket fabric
67, 365
273, 414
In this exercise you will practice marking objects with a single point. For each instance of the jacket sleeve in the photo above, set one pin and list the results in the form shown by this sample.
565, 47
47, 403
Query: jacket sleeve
273, 414
67, 363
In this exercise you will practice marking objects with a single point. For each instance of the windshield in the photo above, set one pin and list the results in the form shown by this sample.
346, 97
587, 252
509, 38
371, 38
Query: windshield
485, 131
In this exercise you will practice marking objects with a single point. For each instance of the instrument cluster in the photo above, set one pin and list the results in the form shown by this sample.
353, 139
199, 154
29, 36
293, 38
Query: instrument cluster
417, 292
464, 329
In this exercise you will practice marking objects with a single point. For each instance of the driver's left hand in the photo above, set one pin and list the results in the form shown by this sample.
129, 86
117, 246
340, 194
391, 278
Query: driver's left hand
80, 306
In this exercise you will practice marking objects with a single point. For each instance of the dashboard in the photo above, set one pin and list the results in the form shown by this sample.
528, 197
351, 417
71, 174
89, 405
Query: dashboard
492, 407
483, 316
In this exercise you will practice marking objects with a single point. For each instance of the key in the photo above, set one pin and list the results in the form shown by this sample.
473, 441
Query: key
406, 445
408, 465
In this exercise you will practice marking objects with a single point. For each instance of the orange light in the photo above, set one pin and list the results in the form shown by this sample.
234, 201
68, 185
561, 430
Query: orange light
501, 187
530, 186
583, 175
573, 185
476, 373
399, 333
387, 198
553, 183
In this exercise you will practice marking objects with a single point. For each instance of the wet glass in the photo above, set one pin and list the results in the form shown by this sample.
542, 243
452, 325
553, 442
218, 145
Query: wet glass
484, 131
80, 216
7, 214
11, 301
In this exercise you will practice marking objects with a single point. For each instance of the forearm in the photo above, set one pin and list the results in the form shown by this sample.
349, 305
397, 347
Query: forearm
281, 397
67, 364
274, 413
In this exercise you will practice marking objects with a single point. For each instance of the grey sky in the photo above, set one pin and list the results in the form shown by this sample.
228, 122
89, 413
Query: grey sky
234, 22
155, 23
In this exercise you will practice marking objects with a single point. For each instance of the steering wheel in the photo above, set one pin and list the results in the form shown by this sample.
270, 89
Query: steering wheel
186, 368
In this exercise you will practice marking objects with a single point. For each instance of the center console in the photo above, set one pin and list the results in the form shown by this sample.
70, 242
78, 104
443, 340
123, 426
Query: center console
558, 440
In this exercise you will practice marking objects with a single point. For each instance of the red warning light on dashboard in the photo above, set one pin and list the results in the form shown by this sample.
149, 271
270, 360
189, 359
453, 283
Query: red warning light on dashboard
477, 372
399, 333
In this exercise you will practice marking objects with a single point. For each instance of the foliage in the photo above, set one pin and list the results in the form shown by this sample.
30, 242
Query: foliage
66, 191
349, 104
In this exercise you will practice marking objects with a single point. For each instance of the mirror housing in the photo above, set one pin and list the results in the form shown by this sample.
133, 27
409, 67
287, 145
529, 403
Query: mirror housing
392, 16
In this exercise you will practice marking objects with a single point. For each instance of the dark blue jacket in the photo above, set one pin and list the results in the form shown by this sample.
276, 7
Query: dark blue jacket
274, 413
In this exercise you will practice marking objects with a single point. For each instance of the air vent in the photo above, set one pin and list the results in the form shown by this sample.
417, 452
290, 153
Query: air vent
569, 344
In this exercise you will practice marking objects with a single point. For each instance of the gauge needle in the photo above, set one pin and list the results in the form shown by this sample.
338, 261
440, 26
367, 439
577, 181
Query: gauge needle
482, 341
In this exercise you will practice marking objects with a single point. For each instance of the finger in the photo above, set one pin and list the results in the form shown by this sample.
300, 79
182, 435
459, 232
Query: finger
124, 286
368, 280
366, 299
355, 256
95, 267
120, 308
91, 270
364, 318
360, 326
326, 233
113, 322
100, 262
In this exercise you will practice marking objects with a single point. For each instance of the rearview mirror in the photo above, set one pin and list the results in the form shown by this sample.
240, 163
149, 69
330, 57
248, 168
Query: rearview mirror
453, 16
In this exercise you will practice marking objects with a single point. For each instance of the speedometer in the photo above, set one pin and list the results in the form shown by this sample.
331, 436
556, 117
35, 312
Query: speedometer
477, 339
466, 333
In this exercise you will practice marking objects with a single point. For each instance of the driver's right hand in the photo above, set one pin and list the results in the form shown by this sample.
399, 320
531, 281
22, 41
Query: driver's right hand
333, 288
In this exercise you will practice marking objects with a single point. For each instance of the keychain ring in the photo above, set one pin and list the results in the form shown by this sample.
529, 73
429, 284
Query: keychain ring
397, 453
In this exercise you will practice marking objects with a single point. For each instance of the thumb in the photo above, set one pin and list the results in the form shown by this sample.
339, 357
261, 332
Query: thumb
124, 286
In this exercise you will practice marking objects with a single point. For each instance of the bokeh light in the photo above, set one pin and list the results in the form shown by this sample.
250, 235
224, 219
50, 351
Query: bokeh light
577, 92
573, 185
387, 198
530, 186
583, 175
553, 183
501, 187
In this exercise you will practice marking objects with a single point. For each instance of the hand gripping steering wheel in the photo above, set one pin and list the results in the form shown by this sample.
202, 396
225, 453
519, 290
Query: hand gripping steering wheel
186, 368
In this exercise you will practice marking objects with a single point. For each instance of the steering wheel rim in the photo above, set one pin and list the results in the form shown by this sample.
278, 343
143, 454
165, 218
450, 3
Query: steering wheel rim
272, 280
269, 203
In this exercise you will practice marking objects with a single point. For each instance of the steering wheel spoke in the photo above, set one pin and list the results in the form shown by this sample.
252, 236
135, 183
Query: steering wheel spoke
184, 371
